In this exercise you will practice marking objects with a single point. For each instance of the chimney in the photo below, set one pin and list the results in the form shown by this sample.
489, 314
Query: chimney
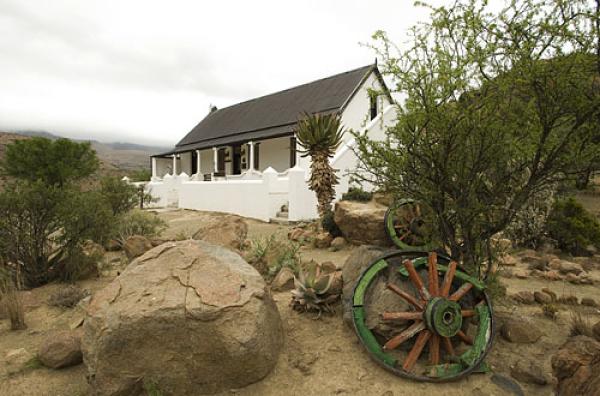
212, 108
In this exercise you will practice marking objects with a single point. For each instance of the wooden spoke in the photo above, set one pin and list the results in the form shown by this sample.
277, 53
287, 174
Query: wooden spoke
464, 289
448, 279
416, 350
410, 299
465, 338
402, 315
434, 349
448, 346
416, 280
395, 341
467, 313
433, 274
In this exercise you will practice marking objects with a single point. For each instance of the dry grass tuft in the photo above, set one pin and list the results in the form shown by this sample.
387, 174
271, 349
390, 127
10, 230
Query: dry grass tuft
580, 326
67, 296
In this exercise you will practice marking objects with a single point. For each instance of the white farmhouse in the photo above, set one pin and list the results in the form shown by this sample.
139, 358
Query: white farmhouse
244, 158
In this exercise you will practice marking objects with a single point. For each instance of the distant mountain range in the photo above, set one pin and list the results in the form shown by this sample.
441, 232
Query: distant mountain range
125, 156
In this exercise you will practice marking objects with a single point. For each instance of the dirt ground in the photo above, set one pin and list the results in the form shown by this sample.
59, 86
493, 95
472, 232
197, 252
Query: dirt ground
320, 357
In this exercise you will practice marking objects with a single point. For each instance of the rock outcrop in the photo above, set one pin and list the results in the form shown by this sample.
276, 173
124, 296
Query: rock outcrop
190, 317
362, 223
576, 366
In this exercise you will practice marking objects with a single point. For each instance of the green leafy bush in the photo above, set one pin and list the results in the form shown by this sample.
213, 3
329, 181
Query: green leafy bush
329, 225
357, 194
43, 227
139, 222
573, 227
120, 195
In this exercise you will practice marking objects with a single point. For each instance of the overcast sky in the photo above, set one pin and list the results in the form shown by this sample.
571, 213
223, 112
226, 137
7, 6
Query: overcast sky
146, 71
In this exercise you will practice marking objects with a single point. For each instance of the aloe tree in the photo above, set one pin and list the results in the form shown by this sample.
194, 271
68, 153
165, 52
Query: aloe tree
319, 135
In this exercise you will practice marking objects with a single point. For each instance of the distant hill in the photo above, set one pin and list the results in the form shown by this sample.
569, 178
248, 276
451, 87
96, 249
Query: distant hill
125, 156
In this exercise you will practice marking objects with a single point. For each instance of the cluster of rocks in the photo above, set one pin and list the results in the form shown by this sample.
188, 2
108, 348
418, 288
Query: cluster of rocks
550, 267
320, 240
547, 296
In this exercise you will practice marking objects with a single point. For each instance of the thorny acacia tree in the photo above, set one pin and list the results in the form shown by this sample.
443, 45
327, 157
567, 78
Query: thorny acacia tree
495, 108
319, 135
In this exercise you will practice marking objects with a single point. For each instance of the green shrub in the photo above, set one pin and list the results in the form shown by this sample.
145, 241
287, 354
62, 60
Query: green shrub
139, 222
329, 225
357, 194
140, 175
269, 255
120, 195
573, 227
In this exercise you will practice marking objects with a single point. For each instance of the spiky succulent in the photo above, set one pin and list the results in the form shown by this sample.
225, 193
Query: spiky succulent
313, 291
319, 136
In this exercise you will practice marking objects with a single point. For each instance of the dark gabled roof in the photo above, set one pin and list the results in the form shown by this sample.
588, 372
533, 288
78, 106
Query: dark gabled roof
275, 114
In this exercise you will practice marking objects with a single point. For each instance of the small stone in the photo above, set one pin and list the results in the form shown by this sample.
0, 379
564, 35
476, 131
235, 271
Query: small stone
508, 260
61, 350
542, 298
136, 245
553, 275
550, 293
296, 234
520, 331
284, 280
528, 373
555, 264
567, 267
520, 273
537, 273
322, 240
572, 278
15, 360
338, 243
568, 300
589, 302
524, 297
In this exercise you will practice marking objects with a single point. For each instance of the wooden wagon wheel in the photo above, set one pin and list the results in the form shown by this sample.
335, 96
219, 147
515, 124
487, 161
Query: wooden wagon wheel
449, 315
405, 225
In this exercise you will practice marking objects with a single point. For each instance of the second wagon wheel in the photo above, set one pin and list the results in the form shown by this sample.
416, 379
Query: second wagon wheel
406, 226
421, 317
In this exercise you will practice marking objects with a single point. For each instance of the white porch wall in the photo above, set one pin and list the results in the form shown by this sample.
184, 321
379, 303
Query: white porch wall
275, 153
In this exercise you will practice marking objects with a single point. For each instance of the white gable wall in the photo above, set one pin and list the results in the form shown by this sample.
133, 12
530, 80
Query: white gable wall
356, 115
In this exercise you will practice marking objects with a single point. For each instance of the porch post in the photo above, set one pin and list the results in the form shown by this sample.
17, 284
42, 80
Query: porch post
174, 164
215, 161
153, 168
251, 160
198, 172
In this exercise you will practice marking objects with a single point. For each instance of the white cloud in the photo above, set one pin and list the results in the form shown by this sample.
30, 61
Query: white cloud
146, 71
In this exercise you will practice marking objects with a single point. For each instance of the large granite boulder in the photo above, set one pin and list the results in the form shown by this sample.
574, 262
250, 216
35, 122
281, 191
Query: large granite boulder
190, 317
576, 366
362, 223
225, 230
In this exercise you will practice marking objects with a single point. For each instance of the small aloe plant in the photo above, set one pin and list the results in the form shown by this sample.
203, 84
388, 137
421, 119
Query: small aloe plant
313, 290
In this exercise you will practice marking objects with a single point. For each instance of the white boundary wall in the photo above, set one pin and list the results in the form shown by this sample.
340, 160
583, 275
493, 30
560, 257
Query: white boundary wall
261, 195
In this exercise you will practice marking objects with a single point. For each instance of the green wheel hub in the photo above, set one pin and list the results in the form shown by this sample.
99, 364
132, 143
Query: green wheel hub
443, 316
